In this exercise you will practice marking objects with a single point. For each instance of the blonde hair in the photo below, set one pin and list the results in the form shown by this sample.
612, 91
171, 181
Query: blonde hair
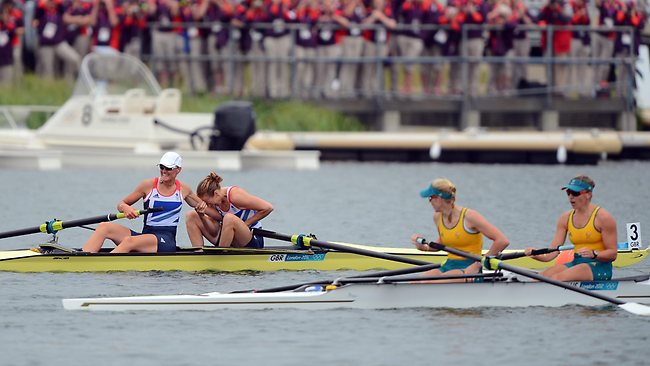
209, 185
445, 185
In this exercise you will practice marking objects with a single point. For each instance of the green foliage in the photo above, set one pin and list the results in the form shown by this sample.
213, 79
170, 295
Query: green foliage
271, 115
36, 91
301, 116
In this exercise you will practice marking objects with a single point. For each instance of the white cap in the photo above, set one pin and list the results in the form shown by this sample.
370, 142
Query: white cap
171, 160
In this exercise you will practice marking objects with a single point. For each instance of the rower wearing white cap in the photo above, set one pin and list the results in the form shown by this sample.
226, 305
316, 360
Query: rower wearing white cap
159, 231
591, 229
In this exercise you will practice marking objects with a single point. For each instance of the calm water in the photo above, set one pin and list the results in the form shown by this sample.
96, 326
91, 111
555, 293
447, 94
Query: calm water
365, 203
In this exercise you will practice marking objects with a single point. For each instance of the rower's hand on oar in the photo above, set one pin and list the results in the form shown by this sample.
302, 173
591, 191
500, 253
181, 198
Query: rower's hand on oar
130, 212
421, 244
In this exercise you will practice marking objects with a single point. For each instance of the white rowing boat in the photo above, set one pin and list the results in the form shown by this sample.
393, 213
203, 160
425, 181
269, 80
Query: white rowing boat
386, 293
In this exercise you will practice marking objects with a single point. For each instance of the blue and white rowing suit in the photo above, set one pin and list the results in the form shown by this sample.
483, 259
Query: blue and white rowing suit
163, 224
244, 214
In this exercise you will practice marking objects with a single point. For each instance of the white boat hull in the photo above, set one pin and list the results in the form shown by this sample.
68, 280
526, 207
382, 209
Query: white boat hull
384, 296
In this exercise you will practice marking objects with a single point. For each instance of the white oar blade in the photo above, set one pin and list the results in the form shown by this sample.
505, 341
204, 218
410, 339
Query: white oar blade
636, 308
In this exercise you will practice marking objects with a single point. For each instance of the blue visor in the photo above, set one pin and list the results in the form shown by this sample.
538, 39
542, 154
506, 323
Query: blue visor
577, 185
432, 191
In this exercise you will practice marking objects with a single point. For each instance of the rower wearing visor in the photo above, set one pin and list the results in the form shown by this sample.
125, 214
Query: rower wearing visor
591, 229
458, 227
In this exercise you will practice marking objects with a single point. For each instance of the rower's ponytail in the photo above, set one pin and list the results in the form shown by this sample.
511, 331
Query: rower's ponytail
209, 185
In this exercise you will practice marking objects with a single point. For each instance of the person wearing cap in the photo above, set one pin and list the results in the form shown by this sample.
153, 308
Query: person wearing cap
591, 229
458, 227
159, 231
238, 213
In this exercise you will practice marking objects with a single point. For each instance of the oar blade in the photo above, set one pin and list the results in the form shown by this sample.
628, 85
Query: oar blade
636, 308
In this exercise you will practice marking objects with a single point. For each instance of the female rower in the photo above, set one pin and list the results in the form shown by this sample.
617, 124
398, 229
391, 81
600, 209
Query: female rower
239, 212
591, 229
159, 231
460, 228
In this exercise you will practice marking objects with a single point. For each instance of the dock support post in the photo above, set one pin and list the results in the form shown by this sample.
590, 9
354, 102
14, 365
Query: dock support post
550, 120
626, 121
390, 121
470, 119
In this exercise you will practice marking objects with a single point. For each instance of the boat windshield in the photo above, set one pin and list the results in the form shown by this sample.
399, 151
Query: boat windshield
114, 74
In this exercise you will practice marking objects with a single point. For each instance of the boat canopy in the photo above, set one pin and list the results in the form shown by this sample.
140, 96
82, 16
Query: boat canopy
114, 73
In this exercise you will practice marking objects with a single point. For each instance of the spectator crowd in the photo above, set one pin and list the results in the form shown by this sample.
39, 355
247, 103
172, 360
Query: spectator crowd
340, 47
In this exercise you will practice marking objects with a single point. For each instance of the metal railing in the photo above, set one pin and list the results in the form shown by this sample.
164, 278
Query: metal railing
393, 61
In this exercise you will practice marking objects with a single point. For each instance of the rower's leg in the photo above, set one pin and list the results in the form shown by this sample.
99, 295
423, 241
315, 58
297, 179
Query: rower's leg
106, 230
198, 228
234, 232
579, 272
552, 271
145, 243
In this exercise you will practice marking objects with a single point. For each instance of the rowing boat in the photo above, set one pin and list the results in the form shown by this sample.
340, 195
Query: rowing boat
385, 293
52, 258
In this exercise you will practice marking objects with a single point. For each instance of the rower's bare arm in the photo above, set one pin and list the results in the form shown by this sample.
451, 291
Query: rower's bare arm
125, 205
559, 238
481, 224
243, 199
195, 202
607, 225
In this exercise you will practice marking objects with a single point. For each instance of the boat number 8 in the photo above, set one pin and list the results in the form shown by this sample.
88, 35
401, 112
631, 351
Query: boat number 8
86, 115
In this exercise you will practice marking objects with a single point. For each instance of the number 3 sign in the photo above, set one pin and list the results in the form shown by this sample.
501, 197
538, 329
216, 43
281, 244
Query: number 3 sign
634, 235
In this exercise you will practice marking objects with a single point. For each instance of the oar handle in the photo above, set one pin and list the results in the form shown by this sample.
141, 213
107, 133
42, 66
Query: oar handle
514, 255
53, 226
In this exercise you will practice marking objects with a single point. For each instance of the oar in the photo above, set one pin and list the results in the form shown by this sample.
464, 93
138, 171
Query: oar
494, 263
395, 272
54, 225
306, 241
514, 255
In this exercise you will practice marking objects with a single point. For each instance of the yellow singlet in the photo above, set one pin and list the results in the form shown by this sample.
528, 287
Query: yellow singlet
587, 236
459, 238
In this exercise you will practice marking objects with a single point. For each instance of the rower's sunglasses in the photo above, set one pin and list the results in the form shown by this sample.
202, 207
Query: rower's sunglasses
162, 167
573, 193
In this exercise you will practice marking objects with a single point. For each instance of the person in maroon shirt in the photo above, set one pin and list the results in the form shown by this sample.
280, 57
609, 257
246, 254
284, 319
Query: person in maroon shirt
475, 14
521, 42
352, 13
217, 15
433, 41
627, 45
16, 17
410, 44
277, 45
557, 13
306, 43
454, 19
79, 30
328, 48
602, 42
580, 48
167, 43
500, 44
132, 22
7, 32
50, 22
106, 30
376, 45
250, 43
